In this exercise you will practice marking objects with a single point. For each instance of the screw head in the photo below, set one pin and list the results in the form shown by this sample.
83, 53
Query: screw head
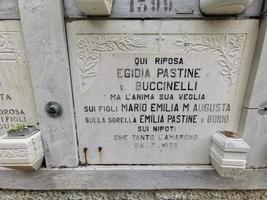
53, 109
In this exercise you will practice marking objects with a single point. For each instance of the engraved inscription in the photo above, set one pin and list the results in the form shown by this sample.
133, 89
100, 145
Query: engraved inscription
89, 52
143, 6
151, 101
17, 105
159, 98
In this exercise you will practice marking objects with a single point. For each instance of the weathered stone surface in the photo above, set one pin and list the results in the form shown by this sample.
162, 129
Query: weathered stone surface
149, 9
256, 93
16, 98
253, 126
24, 153
131, 178
45, 40
9, 9
134, 195
121, 71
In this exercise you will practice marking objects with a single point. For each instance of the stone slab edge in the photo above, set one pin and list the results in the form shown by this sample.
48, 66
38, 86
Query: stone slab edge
130, 178
45, 41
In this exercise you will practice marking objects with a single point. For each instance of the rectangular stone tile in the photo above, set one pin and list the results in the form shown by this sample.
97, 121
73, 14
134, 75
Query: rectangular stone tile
153, 92
17, 104
253, 126
43, 28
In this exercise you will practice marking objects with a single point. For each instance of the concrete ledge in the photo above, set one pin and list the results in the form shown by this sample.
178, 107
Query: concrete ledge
130, 178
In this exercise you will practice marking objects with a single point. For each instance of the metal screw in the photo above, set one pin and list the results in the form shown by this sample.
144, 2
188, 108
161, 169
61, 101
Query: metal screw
53, 109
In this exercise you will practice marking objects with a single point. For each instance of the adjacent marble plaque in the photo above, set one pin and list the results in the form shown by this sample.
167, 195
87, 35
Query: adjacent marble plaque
16, 98
153, 92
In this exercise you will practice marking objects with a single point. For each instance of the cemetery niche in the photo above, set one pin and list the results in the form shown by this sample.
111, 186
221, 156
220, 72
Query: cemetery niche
148, 95
154, 92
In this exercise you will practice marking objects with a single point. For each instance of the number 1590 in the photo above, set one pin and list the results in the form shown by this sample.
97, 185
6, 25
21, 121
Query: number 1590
151, 5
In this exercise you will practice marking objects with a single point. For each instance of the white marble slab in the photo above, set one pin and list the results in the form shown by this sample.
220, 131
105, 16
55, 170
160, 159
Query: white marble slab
256, 94
254, 128
45, 40
115, 128
16, 98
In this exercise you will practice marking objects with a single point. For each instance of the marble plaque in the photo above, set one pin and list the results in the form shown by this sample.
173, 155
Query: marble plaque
16, 98
153, 92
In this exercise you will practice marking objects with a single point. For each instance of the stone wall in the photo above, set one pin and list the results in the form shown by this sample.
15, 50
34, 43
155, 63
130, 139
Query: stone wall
134, 195
53, 46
